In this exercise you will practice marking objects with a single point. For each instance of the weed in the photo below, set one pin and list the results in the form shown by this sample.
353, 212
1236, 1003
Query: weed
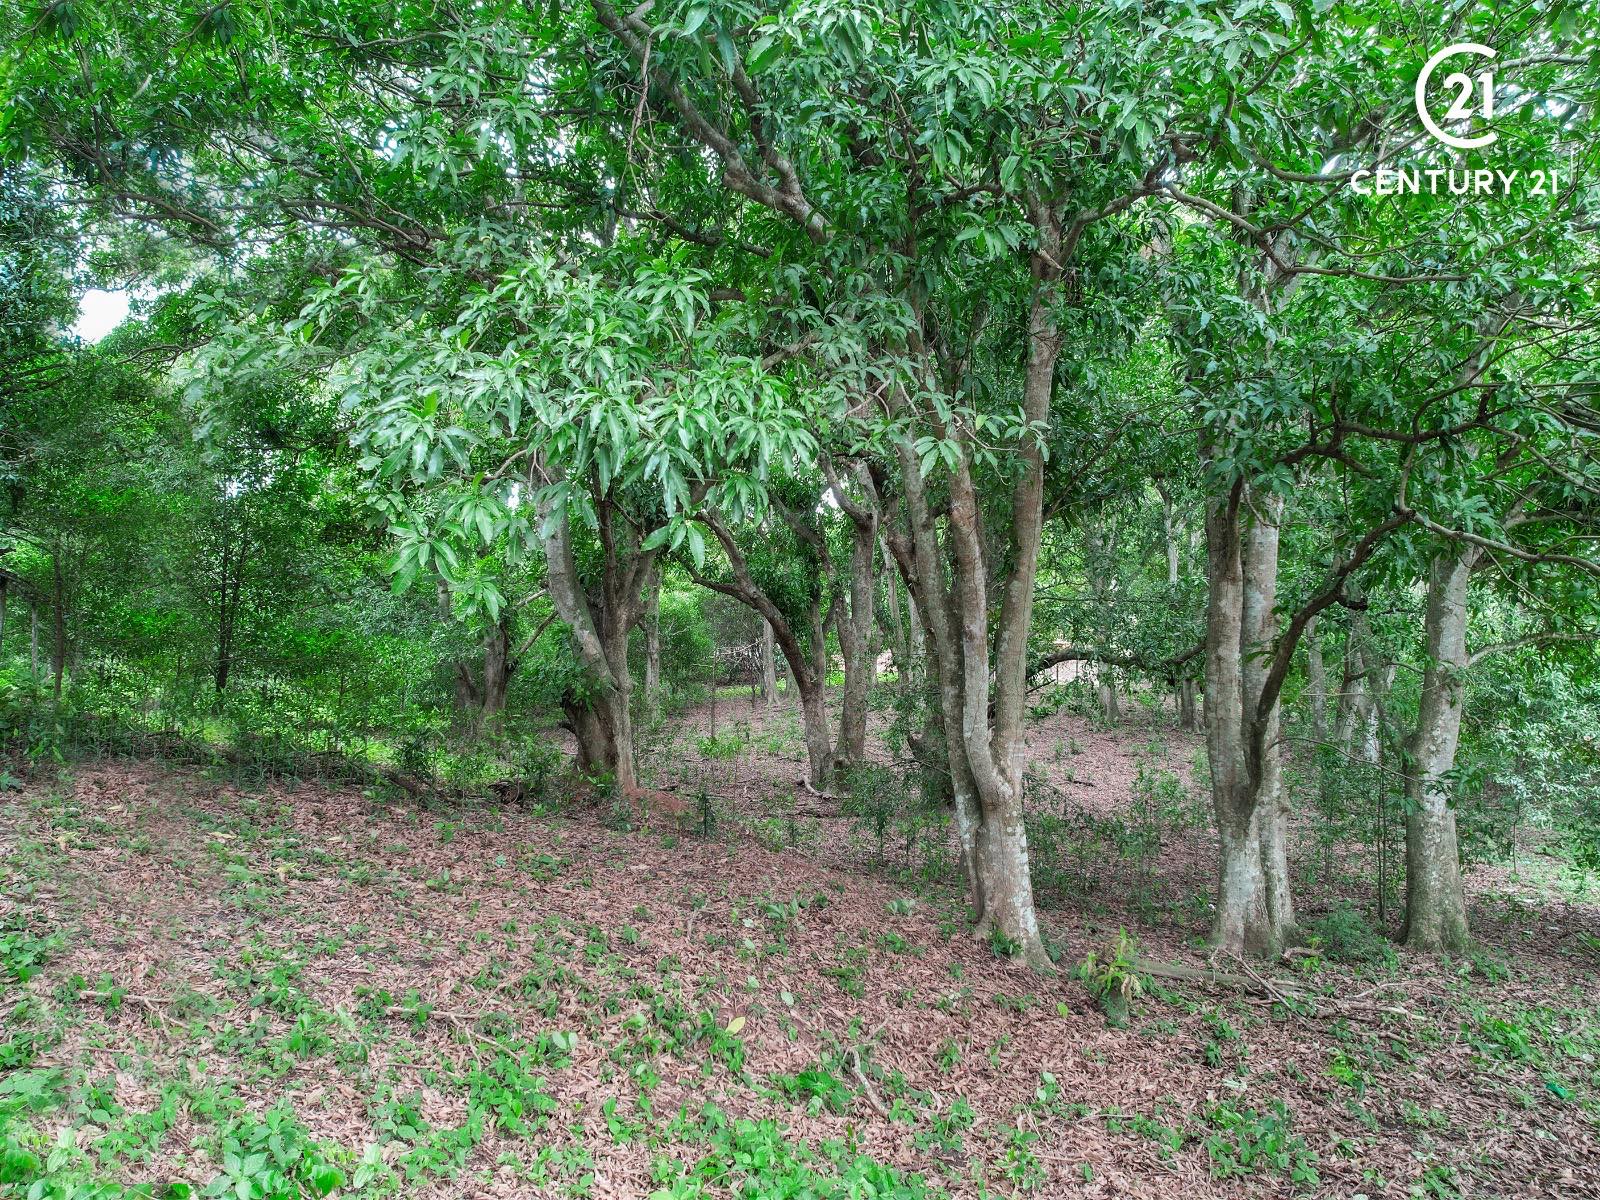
1245, 1141
1112, 977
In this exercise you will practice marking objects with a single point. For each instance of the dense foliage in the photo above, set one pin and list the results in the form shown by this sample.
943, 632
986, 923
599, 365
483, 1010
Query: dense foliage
503, 365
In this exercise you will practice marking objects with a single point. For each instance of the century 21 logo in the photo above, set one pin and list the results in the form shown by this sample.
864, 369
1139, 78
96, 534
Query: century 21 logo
1462, 109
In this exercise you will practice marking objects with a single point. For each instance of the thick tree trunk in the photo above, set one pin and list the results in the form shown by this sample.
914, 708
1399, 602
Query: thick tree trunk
1242, 924
1008, 881
1272, 825
496, 671
916, 634
464, 688
600, 623
616, 706
1254, 910
1436, 906
1110, 707
932, 628
814, 718
597, 749
985, 740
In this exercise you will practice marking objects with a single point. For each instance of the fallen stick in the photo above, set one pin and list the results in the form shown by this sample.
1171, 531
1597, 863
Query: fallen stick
1164, 970
878, 1105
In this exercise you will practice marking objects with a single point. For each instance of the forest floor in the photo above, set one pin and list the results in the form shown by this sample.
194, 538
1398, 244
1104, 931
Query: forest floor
296, 989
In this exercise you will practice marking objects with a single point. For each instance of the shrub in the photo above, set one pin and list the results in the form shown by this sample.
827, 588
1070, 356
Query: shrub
1344, 935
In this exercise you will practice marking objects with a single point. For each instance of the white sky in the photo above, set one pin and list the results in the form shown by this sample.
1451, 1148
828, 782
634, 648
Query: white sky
99, 312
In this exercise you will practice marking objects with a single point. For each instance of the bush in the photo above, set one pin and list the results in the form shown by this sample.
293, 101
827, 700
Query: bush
1344, 935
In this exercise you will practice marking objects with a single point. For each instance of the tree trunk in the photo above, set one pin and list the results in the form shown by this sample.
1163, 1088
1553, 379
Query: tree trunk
1352, 706
58, 651
1436, 906
1188, 710
1272, 824
33, 642
1109, 705
463, 685
597, 749
617, 707
855, 641
1242, 923
769, 665
985, 741
894, 624
916, 634
465, 689
1254, 911
496, 671
652, 640
600, 623
1316, 682
814, 718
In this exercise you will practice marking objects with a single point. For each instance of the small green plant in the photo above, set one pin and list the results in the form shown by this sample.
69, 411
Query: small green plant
272, 1156
722, 747
1112, 977
1246, 1141
23, 952
1003, 944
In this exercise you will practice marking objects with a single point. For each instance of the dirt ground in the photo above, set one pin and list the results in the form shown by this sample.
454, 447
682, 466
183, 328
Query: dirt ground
391, 973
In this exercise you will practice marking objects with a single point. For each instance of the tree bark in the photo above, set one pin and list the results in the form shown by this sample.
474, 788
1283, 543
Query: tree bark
984, 740
601, 620
769, 665
1436, 906
496, 670
597, 749
1316, 682
855, 624
1254, 911
651, 621
1353, 704
1188, 710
